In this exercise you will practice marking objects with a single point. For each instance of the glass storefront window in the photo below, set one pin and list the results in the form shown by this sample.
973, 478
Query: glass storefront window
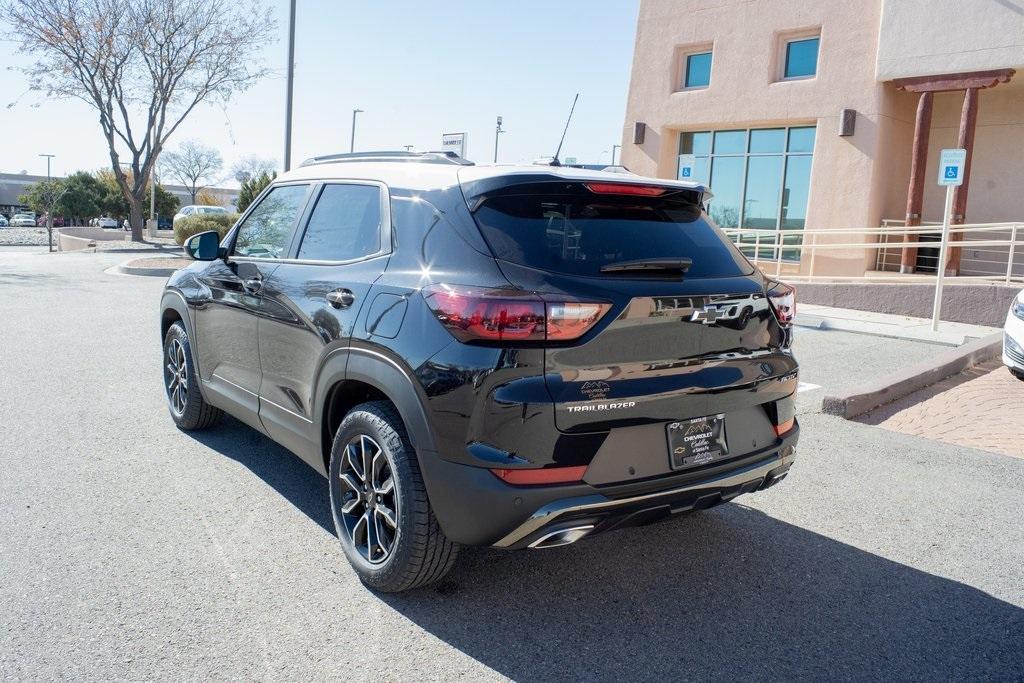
730, 142
760, 179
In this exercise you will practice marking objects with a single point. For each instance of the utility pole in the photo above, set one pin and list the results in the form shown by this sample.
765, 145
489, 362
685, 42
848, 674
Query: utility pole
352, 143
290, 89
614, 147
497, 131
49, 209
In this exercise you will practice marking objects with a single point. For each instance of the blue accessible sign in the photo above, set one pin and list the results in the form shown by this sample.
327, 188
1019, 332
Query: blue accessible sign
951, 166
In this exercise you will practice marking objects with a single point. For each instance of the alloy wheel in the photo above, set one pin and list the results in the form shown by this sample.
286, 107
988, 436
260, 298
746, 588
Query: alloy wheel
176, 377
369, 503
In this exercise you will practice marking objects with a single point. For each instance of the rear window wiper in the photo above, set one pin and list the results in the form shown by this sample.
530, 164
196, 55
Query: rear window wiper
651, 266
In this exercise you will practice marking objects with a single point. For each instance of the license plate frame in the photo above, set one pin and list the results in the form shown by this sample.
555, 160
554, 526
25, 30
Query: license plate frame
696, 441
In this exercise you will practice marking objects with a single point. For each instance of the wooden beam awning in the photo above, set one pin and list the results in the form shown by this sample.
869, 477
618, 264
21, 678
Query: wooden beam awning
961, 81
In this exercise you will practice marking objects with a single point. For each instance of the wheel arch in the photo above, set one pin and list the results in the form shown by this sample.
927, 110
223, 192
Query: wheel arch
357, 375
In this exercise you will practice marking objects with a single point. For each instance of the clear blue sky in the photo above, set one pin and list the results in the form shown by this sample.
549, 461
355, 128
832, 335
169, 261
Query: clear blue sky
417, 69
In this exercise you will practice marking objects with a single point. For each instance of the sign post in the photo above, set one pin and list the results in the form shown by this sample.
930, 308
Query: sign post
951, 174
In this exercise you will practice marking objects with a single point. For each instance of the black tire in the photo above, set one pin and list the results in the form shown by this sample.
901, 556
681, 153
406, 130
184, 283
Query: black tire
184, 401
1017, 373
418, 552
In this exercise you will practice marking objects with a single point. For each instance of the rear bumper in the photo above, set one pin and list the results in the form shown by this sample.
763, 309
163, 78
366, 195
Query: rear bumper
474, 507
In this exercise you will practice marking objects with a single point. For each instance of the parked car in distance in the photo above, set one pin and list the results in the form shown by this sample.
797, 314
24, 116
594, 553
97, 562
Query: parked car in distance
1013, 337
23, 220
58, 221
197, 209
507, 356
3, 221
104, 222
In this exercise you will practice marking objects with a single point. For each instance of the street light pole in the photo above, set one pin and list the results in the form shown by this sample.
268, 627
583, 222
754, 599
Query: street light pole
497, 131
290, 89
352, 143
614, 147
49, 208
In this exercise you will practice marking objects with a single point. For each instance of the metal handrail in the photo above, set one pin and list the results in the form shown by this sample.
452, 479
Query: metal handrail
887, 238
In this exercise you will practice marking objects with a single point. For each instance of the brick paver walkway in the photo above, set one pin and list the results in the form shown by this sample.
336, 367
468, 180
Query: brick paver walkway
979, 408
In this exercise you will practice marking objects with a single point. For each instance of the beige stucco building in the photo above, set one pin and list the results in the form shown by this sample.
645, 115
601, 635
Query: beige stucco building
756, 90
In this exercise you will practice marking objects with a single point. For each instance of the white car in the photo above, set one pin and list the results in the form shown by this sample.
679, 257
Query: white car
104, 222
195, 209
1013, 337
23, 220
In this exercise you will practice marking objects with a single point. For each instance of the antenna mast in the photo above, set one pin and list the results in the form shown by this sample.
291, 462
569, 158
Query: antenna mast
558, 151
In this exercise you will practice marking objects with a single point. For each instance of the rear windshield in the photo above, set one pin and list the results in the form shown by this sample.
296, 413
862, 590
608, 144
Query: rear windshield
566, 228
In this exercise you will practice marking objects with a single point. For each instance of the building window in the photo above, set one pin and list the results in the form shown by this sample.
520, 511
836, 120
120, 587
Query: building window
760, 179
698, 70
801, 58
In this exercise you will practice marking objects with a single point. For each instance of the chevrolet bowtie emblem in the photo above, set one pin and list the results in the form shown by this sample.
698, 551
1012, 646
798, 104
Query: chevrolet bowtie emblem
708, 315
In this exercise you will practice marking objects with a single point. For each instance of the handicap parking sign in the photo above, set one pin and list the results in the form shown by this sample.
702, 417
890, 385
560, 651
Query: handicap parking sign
687, 162
951, 166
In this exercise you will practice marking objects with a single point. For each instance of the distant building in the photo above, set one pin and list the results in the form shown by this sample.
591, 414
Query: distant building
13, 185
804, 113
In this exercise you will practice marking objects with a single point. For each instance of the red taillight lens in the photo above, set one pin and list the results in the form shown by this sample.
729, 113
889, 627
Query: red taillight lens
782, 298
546, 475
784, 427
623, 188
509, 315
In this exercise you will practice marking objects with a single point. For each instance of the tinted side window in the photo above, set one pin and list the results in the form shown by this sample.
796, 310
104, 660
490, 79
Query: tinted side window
344, 225
267, 231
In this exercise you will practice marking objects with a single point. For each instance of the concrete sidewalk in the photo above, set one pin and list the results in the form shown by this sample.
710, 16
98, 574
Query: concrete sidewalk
888, 325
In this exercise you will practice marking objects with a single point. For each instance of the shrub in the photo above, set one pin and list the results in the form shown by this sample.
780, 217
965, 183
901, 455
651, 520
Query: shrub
193, 225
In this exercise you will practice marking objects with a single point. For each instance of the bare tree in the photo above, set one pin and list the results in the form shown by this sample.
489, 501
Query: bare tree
194, 165
252, 166
143, 65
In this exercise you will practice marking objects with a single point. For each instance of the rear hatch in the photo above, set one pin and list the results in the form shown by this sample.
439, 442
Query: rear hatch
690, 331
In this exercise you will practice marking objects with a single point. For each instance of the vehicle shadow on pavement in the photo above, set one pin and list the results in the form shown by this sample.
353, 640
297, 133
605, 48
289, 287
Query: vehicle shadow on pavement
278, 467
727, 593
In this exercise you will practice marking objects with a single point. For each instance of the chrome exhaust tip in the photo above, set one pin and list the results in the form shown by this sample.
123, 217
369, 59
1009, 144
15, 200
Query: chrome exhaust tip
561, 537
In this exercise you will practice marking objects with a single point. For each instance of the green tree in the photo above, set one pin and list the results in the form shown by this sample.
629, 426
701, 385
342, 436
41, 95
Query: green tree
81, 200
251, 188
166, 203
39, 196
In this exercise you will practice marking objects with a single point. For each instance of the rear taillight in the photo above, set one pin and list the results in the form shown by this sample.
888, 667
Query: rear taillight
784, 427
782, 298
501, 315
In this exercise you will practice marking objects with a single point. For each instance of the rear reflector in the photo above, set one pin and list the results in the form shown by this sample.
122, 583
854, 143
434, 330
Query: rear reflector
782, 298
497, 315
622, 188
784, 427
547, 475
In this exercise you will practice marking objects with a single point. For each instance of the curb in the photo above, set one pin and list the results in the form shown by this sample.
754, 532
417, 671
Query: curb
144, 272
869, 396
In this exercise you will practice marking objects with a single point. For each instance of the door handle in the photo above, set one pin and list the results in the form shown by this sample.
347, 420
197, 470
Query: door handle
341, 298
253, 285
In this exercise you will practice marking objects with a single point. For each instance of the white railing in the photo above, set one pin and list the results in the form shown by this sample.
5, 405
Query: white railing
990, 252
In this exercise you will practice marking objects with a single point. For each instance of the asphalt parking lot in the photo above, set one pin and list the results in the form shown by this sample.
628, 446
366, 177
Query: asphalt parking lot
131, 550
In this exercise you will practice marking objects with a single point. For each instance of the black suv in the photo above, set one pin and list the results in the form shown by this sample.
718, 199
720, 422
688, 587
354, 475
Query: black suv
513, 356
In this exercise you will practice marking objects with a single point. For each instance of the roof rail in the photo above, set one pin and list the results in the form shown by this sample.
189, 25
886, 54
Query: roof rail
390, 156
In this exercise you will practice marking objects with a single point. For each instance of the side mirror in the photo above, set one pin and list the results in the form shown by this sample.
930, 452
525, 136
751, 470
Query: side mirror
204, 246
